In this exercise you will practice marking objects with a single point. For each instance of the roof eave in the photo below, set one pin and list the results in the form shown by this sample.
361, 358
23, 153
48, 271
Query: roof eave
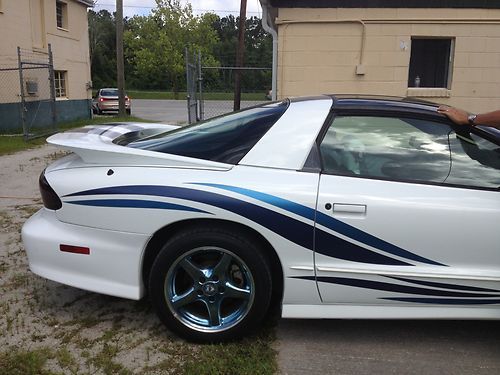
88, 3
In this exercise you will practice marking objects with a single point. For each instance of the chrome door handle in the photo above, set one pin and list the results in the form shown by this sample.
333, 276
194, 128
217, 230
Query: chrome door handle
343, 208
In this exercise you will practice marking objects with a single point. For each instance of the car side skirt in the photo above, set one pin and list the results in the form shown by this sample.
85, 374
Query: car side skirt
336, 311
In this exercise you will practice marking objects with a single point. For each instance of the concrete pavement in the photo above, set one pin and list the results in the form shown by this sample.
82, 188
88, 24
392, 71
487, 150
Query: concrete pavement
388, 347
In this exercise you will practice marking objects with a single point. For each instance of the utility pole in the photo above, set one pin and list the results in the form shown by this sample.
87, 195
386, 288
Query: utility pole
120, 67
239, 55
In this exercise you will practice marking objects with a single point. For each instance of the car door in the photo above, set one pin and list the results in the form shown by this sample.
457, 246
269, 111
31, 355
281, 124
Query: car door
407, 214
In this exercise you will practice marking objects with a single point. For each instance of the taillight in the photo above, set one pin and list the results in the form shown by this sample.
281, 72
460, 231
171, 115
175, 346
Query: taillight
49, 196
101, 99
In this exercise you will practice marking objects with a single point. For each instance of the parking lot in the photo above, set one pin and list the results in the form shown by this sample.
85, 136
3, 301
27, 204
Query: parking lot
91, 333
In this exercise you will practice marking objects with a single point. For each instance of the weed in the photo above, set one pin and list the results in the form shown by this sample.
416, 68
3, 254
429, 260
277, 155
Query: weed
66, 360
15, 361
104, 360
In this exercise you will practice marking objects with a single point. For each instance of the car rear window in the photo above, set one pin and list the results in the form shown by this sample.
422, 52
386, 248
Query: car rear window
224, 139
109, 92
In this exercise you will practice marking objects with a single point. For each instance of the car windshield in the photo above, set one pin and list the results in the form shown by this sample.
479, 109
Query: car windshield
109, 92
224, 139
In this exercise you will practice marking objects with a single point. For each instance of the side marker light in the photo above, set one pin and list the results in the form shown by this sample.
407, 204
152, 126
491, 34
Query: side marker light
74, 249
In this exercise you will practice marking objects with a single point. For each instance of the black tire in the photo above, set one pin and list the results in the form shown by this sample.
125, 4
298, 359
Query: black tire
210, 285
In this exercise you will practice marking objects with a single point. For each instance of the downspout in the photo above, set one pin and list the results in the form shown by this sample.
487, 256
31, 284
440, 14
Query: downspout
267, 25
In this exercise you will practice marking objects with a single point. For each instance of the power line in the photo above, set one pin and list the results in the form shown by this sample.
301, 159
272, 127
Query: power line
152, 7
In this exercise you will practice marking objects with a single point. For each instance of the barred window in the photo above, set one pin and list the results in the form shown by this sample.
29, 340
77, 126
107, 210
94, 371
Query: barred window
431, 62
62, 14
60, 83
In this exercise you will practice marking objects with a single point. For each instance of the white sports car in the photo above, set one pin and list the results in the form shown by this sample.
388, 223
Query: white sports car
329, 206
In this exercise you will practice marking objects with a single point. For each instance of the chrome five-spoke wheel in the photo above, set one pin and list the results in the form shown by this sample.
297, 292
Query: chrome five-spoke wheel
209, 289
209, 284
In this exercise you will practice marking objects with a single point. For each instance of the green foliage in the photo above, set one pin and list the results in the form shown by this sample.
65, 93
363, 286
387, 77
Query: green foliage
154, 48
102, 45
154, 45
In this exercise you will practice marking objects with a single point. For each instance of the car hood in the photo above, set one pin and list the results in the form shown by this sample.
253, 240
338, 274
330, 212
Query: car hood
100, 145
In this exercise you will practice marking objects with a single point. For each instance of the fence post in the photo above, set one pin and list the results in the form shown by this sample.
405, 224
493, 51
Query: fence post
21, 85
52, 86
200, 85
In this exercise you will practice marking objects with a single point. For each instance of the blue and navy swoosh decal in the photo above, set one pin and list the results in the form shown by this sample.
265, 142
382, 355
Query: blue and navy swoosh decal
328, 222
135, 203
294, 230
447, 301
452, 294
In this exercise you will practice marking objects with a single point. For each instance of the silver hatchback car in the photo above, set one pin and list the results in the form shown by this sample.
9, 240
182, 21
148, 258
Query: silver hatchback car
106, 100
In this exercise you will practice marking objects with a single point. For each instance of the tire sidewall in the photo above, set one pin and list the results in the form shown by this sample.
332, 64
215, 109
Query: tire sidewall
240, 246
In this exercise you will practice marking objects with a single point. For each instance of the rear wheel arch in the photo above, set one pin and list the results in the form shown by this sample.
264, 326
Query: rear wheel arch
159, 239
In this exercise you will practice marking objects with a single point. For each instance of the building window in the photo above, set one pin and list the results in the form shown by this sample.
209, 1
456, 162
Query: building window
430, 62
62, 15
60, 77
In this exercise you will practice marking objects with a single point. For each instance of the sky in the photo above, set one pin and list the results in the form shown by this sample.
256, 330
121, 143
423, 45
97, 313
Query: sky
221, 7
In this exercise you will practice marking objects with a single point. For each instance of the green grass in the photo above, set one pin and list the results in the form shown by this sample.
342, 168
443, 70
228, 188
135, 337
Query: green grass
13, 143
137, 94
250, 356
23, 362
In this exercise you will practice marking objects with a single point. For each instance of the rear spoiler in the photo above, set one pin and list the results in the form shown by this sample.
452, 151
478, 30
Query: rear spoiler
106, 145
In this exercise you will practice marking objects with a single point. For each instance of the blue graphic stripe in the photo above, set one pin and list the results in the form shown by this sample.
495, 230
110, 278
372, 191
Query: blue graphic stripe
444, 286
397, 288
328, 222
447, 301
135, 203
273, 200
283, 225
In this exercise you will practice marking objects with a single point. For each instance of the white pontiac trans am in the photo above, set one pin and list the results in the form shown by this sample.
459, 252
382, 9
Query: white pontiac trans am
328, 207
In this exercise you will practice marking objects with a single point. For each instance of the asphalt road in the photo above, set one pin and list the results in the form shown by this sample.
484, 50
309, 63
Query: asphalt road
388, 347
362, 346
168, 111
175, 111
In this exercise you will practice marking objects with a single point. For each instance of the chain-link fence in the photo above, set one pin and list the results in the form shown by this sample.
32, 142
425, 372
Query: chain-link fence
27, 94
210, 89
218, 88
10, 99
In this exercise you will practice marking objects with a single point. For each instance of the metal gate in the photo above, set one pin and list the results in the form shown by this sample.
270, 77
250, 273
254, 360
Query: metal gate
210, 89
194, 87
37, 92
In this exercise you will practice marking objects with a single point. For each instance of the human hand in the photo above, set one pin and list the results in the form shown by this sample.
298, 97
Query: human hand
458, 116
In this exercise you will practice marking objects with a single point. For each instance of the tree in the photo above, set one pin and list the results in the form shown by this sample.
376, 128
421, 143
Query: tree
155, 44
102, 45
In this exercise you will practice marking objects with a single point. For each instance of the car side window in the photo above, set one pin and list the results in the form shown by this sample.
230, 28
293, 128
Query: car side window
475, 161
387, 148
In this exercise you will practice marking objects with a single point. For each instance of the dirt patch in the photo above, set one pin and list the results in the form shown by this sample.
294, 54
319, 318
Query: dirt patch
47, 327
77, 331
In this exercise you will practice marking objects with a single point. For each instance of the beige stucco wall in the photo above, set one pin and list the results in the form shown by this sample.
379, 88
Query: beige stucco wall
31, 24
322, 57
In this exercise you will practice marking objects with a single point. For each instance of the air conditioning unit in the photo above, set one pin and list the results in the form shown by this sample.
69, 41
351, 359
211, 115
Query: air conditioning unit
32, 87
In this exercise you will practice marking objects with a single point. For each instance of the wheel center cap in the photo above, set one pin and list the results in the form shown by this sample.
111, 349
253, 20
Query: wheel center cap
209, 289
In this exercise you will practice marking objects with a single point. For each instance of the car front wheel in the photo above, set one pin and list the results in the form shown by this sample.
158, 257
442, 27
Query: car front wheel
210, 285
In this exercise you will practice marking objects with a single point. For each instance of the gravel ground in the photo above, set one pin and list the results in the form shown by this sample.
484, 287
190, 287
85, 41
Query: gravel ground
70, 330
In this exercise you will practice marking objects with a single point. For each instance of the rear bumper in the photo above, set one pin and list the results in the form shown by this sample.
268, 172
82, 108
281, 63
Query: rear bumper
111, 106
113, 266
